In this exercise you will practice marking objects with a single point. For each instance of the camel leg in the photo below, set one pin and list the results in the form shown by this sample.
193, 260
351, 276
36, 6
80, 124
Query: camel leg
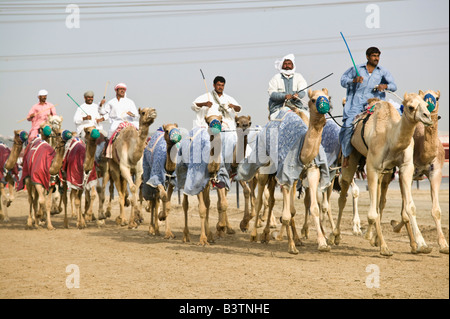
76, 194
262, 181
265, 237
185, 204
356, 220
72, 205
43, 204
164, 214
405, 178
313, 175
286, 218
116, 178
3, 200
247, 196
307, 204
435, 182
292, 193
64, 201
264, 216
346, 178
244, 225
202, 212
374, 184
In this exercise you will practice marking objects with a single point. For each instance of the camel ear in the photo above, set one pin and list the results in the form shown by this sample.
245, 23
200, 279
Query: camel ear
310, 93
405, 96
438, 93
421, 93
139, 110
236, 118
325, 91
176, 124
164, 127
249, 118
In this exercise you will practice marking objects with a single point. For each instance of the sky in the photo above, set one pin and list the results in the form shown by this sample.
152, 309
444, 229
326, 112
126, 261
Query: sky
158, 48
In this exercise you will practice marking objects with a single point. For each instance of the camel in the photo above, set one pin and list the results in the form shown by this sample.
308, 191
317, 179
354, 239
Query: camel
159, 167
40, 162
306, 155
429, 158
211, 171
78, 174
10, 172
55, 123
387, 142
127, 151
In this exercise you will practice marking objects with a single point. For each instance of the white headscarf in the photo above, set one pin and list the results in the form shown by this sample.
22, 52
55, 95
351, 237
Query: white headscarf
279, 65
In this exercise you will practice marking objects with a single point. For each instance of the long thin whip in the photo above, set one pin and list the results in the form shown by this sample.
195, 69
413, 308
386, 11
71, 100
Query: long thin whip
204, 81
357, 73
77, 104
38, 112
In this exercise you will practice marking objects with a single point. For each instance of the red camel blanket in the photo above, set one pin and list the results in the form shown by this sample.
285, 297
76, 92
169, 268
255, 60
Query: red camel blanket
37, 160
4, 154
73, 166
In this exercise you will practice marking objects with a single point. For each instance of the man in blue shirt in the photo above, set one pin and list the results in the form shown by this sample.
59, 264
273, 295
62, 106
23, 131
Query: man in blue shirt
372, 82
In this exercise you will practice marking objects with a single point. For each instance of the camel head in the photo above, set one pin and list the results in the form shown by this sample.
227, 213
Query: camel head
214, 122
432, 98
243, 122
172, 134
344, 100
416, 109
319, 102
55, 121
147, 116
20, 137
91, 134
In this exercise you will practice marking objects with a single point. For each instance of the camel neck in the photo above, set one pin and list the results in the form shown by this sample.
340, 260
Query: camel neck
13, 156
313, 138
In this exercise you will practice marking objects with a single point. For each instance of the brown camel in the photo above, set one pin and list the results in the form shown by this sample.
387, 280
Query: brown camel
310, 172
36, 190
78, 153
429, 158
163, 195
215, 158
127, 151
387, 142
10, 168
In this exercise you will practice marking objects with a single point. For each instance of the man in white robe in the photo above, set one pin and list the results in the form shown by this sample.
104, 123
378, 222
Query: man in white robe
87, 115
119, 110
285, 88
216, 100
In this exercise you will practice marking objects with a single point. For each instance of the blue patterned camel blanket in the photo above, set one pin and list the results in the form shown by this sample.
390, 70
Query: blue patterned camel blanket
154, 161
192, 166
280, 143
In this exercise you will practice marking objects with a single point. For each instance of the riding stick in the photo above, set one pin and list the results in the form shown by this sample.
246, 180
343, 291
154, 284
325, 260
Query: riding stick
357, 73
77, 104
38, 113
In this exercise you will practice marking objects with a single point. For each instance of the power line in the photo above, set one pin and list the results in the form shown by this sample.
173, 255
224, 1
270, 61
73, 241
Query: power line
235, 46
203, 61
202, 10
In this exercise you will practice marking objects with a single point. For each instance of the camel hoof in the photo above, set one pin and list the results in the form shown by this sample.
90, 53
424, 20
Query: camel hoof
254, 238
305, 233
230, 231
108, 214
424, 250
186, 239
444, 250
385, 252
169, 236
293, 250
324, 248
243, 226
161, 216
394, 225
51, 228
298, 242
101, 216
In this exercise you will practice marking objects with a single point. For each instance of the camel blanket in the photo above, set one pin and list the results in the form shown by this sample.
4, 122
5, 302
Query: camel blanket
5, 151
37, 159
192, 167
72, 168
114, 136
154, 161
277, 151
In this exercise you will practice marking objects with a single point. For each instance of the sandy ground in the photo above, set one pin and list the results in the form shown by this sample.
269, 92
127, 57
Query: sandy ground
115, 262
